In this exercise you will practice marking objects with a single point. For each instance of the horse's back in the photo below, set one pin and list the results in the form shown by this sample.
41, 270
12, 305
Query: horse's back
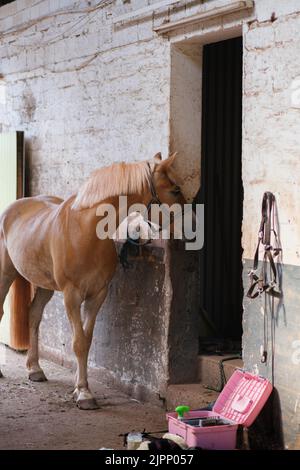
48, 200
27, 207
26, 228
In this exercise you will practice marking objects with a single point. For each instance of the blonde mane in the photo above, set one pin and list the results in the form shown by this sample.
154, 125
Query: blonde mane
116, 179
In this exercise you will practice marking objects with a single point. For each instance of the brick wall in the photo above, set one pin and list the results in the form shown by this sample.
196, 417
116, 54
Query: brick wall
87, 93
271, 142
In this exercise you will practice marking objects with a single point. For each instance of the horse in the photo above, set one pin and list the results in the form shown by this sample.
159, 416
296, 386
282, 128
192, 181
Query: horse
51, 244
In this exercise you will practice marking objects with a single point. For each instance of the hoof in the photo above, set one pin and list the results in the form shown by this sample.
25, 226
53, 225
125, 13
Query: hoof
1, 375
37, 376
87, 404
85, 400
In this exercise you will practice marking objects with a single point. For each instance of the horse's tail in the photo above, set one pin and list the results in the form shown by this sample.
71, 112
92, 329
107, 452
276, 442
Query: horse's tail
20, 300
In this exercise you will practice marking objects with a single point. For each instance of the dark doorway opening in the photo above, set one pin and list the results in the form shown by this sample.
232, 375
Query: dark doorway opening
4, 2
221, 287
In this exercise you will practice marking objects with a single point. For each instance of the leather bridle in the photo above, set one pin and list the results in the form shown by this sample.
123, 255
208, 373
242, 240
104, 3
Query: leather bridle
130, 241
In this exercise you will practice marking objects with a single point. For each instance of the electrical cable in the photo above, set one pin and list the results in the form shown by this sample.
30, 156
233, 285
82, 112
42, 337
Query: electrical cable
31, 23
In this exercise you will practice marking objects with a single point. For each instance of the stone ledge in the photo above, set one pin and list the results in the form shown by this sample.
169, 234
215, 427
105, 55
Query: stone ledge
194, 395
151, 252
137, 391
209, 372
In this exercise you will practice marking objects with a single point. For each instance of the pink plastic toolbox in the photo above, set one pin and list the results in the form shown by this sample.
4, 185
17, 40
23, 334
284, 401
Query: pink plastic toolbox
240, 402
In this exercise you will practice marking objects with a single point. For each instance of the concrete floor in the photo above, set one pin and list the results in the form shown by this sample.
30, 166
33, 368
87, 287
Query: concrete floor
43, 415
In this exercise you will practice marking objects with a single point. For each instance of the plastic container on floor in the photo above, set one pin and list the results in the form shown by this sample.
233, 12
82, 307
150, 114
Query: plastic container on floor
240, 402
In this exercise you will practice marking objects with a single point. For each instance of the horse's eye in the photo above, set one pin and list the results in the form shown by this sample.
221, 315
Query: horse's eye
176, 190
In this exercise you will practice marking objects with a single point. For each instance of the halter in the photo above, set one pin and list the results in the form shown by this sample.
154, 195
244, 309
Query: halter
264, 284
155, 198
129, 241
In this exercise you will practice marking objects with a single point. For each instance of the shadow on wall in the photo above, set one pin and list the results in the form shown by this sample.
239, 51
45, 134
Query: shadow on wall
266, 432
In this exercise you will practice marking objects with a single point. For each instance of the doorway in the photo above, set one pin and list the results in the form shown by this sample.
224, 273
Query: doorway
12, 184
221, 288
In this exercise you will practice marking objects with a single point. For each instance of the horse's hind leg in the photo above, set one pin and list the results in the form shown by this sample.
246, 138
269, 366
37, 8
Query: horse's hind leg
5, 284
40, 300
8, 274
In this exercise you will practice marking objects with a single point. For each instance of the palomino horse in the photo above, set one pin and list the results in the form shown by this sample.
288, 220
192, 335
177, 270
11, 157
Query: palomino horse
52, 245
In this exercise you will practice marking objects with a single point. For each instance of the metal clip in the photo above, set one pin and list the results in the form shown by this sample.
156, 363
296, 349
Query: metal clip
263, 357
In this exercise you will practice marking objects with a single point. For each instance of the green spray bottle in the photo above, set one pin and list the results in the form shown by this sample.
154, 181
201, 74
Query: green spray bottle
181, 409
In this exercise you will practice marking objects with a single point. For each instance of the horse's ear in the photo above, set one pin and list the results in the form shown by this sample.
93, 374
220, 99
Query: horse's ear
171, 159
155, 161
166, 164
157, 158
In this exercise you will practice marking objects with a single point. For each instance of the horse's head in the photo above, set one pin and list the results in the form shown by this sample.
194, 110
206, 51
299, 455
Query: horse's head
166, 191
166, 180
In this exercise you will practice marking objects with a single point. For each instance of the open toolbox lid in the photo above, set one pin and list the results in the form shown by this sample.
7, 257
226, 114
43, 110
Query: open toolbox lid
243, 397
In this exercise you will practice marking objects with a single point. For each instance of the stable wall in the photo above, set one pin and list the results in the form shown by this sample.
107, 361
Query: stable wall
271, 144
105, 94
88, 93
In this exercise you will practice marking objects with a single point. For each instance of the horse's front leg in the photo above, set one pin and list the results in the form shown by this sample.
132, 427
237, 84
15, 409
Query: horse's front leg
82, 395
91, 309
82, 338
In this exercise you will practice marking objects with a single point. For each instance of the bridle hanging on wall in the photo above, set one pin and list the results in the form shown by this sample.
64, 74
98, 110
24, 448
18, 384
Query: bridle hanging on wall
267, 281
268, 226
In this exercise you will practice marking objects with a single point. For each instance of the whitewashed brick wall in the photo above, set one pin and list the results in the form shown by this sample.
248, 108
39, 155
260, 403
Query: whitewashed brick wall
87, 93
85, 96
271, 127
